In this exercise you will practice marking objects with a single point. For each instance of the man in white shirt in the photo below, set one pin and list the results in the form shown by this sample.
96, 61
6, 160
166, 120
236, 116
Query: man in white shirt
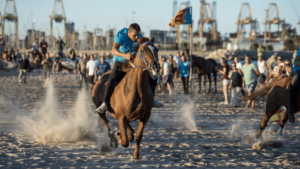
263, 72
91, 66
177, 60
167, 73
238, 64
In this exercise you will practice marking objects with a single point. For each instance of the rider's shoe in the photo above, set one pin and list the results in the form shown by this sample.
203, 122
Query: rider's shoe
102, 108
157, 104
291, 114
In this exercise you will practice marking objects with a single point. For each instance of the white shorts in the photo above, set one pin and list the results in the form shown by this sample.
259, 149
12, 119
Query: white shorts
226, 82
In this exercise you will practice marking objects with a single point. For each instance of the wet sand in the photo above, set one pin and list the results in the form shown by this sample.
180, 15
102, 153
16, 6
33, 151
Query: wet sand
170, 139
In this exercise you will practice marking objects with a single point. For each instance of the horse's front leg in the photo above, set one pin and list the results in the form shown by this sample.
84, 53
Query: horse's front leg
122, 135
139, 134
113, 140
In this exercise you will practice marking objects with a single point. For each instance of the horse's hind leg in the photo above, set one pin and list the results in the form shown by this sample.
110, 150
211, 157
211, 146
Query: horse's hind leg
130, 133
271, 109
139, 134
199, 77
209, 78
122, 135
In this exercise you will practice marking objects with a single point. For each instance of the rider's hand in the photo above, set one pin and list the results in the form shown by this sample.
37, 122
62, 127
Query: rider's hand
129, 56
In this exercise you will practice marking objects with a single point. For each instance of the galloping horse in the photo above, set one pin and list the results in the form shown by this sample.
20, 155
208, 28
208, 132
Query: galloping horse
277, 92
204, 67
132, 98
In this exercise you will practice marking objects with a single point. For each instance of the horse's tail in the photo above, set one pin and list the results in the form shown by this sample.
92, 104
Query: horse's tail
261, 93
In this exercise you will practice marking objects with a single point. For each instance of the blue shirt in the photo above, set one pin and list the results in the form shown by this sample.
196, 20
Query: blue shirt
295, 68
127, 45
103, 68
184, 67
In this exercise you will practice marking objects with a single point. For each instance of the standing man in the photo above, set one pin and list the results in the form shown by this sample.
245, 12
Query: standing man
56, 63
123, 49
294, 88
263, 72
2, 45
81, 68
23, 68
250, 75
47, 65
238, 63
59, 45
167, 80
44, 46
177, 60
91, 66
102, 68
260, 51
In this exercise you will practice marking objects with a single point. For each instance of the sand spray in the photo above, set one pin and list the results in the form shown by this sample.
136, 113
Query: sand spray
187, 116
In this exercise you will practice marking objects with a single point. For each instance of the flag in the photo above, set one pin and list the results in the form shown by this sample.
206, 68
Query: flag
182, 17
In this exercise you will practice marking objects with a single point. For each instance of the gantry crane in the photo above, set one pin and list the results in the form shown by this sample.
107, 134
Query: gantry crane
58, 15
244, 18
10, 14
273, 17
207, 17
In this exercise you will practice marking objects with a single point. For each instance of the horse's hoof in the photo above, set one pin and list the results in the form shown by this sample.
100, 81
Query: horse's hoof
113, 143
117, 133
279, 132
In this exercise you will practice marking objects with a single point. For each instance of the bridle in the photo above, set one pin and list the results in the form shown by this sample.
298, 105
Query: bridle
142, 57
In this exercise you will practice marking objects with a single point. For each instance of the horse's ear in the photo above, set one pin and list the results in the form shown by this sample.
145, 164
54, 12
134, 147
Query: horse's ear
152, 39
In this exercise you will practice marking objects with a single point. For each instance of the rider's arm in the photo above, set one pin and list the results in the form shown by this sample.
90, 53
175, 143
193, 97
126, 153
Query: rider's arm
115, 51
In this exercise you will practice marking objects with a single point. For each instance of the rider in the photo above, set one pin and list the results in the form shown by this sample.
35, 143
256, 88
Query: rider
294, 88
123, 49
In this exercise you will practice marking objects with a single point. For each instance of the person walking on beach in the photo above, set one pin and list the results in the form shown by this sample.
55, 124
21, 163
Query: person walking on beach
73, 59
277, 70
263, 72
56, 63
44, 46
35, 45
91, 67
236, 85
81, 69
47, 65
23, 68
59, 45
250, 76
225, 72
167, 76
184, 72
177, 61
102, 68
260, 51
159, 76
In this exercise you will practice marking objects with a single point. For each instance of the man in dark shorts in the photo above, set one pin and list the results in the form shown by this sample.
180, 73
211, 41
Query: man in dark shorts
167, 75
43, 45
47, 65
59, 45
81, 68
91, 66
23, 69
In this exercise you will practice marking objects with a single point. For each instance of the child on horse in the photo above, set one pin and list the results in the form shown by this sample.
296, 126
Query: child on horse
123, 50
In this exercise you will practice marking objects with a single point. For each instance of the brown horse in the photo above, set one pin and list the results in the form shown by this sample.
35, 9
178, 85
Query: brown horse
277, 92
204, 67
132, 98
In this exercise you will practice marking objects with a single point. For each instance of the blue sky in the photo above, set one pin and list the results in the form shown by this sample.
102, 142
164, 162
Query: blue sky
149, 14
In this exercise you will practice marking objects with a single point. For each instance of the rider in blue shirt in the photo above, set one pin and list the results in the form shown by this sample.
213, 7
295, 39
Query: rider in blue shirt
123, 49
293, 90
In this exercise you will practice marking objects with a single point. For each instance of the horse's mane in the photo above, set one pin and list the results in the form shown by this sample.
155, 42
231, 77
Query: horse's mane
126, 67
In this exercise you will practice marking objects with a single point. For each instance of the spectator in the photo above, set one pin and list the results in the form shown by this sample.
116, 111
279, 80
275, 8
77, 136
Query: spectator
260, 51
250, 75
81, 68
47, 65
102, 68
59, 45
171, 62
167, 75
91, 66
18, 55
8, 55
288, 68
263, 72
35, 45
73, 59
277, 70
13, 58
56, 63
23, 68
2, 45
236, 85
238, 64
159, 76
184, 71
44, 46
5, 51
224, 71
177, 60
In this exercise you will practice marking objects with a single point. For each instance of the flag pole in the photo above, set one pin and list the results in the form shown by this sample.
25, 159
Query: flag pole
191, 55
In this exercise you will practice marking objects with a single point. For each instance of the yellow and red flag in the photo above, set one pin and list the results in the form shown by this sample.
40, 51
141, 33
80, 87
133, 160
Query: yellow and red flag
182, 17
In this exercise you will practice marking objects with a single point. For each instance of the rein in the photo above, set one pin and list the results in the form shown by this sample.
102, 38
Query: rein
142, 57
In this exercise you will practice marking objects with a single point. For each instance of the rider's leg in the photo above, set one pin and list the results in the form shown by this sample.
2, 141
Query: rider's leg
293, 93
153, 84
115, 76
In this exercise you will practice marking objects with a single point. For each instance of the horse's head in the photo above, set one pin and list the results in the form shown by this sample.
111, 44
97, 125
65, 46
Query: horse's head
147, 56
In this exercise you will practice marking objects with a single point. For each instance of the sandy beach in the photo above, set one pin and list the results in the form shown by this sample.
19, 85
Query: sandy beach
57, 127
